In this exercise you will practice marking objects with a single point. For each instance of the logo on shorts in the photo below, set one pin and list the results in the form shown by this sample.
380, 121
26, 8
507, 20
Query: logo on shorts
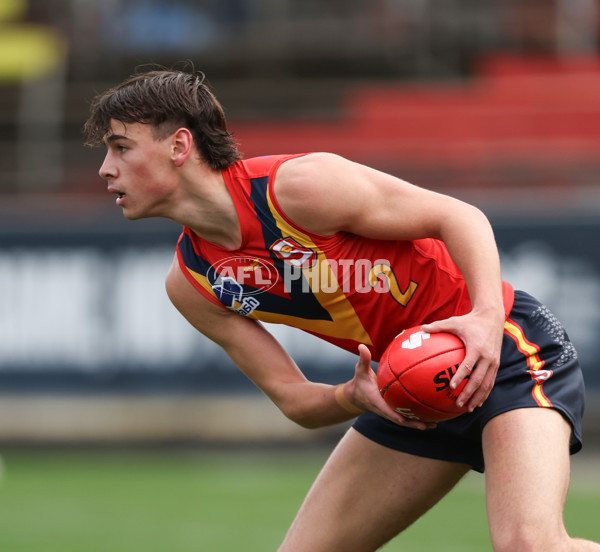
541, 375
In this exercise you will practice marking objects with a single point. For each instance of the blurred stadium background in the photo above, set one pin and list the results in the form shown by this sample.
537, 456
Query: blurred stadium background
497, 103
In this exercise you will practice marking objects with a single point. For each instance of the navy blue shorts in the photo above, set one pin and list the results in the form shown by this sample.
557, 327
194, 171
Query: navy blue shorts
538, 368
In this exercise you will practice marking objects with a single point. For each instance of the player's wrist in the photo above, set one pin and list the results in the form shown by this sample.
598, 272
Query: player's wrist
342, 400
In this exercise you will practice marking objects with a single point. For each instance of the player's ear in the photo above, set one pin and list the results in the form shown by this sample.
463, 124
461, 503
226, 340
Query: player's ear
181, 146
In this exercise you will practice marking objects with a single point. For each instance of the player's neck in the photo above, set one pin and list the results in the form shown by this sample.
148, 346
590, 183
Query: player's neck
208, 209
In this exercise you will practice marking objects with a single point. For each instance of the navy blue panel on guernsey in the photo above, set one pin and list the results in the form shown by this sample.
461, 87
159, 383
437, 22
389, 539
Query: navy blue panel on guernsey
191, 260
301, 303
298, 301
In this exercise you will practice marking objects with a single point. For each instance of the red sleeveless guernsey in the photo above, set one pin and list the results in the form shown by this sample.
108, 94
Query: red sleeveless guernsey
344, 288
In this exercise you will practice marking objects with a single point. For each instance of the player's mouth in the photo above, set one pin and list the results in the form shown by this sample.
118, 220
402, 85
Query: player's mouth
120, 195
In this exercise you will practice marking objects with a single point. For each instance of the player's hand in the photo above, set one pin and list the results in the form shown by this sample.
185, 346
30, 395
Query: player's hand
364, 392
482, 335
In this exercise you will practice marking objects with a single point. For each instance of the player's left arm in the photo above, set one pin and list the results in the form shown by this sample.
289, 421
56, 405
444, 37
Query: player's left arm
325, 194
262, 358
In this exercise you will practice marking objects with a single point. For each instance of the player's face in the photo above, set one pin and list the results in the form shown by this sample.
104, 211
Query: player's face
138, 169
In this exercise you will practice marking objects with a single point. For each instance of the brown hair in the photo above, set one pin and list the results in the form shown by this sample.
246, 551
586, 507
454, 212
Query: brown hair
167, 100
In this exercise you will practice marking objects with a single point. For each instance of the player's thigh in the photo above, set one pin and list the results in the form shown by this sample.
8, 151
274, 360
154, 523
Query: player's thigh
527, 465
366, 494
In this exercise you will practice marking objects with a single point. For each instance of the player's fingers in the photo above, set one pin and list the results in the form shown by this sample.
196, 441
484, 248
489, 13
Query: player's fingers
438, 326
478, 387
463, 371
393, 416
418, 425
364, 359
483, 390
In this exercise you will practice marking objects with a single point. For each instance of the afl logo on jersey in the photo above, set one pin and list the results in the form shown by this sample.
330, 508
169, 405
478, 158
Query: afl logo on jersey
291, 252
237, 276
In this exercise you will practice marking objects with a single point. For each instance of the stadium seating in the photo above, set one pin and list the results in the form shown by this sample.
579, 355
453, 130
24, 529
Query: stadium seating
536, 116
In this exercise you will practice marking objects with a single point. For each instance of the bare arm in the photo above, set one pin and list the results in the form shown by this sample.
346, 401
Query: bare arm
260, 356
326, 194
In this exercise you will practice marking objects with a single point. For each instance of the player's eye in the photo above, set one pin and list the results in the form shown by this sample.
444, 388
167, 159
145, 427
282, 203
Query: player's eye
121, 148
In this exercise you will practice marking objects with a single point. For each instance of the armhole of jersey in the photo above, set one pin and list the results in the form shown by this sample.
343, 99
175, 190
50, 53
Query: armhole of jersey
190, 278
273, 199
508, 294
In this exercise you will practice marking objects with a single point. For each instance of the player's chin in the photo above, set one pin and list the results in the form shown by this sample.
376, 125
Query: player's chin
133, 211
134, 214
131, 216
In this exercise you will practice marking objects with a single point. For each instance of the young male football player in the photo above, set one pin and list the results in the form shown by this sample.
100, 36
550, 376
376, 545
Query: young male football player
260, 236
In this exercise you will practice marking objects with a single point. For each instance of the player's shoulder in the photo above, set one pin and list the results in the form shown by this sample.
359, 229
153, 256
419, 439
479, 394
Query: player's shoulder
311, 174
312, 191
311, 164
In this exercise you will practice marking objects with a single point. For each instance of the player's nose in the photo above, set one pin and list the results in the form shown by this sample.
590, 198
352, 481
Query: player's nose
107, 169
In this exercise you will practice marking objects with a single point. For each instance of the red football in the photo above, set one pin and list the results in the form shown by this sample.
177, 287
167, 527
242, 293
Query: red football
414, 375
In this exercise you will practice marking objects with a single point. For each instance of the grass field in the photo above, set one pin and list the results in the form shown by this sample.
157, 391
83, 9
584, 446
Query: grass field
76, 501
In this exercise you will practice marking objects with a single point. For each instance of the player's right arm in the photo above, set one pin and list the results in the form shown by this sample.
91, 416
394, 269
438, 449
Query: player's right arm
262, 359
